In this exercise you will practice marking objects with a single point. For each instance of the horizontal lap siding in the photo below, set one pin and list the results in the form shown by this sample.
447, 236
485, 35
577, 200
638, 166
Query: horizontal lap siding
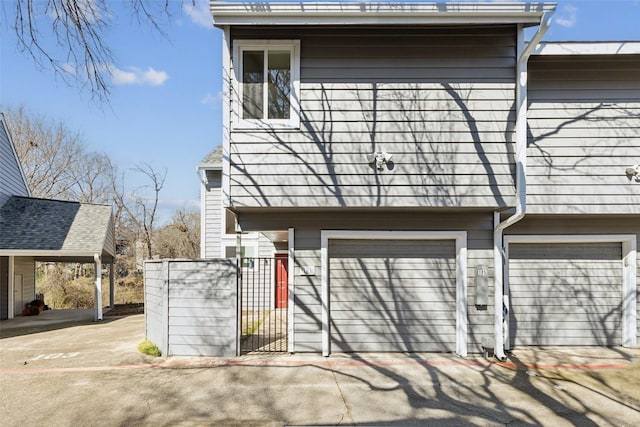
392, 295
191, 307
213, 215
202, 308
11, 182
584, 118
565, 294
439, 100
153, 302
307, 310
583, 224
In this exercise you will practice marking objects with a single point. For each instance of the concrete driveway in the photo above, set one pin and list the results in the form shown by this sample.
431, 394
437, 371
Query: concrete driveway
91, 374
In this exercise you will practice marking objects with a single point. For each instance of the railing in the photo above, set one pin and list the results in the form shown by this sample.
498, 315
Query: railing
263, 314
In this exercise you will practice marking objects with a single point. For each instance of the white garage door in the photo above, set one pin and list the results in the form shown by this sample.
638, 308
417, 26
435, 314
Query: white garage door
392, 295
565, 294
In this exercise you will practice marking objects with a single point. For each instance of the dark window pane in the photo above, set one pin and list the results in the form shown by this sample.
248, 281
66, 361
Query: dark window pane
252, 84
279, 77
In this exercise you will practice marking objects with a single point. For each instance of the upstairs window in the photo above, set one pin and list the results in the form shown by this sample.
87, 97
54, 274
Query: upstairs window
267, 83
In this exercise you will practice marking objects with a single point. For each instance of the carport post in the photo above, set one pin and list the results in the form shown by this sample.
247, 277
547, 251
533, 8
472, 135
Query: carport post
112, 285
98, 286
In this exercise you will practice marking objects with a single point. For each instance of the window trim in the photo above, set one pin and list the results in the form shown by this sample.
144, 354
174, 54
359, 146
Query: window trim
294, 118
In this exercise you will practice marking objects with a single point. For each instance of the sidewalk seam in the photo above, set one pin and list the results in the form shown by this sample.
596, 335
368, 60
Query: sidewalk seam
344, 400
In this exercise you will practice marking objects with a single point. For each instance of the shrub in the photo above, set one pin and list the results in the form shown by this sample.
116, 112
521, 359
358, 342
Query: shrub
149, 348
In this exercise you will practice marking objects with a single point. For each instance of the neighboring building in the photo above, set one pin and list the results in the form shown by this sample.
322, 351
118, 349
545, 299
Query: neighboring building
441, 184
218, 237
33, 229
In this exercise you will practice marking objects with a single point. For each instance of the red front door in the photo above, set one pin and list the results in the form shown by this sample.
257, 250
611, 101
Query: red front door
282, 281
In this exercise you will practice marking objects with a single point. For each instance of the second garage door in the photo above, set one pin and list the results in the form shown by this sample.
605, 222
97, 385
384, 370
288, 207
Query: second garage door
565, 294
394, 295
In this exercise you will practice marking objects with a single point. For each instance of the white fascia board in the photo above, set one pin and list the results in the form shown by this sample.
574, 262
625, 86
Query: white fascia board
209, 166
45, 253
370, 13
588, 48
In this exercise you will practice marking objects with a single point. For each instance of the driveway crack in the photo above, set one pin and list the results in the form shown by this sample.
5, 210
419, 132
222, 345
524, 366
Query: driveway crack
347, 407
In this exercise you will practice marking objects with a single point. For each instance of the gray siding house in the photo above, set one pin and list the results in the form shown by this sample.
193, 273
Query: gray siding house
218, 237
34, 229
441, 184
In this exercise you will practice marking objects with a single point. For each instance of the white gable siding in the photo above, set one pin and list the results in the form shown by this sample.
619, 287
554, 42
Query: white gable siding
11, 179
584, 120
212, 214
440, 100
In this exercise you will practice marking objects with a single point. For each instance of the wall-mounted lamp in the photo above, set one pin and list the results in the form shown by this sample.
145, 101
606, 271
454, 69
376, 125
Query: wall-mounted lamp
380, 158
633, 172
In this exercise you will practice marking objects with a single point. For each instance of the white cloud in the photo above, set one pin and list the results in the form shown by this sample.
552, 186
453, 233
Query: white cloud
69, 68
210, 99
570, 16
199, 13
137, 76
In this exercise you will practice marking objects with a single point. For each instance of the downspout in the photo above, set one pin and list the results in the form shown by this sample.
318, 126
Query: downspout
500, 304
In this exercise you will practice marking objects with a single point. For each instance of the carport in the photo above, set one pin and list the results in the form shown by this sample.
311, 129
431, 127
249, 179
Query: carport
45, 230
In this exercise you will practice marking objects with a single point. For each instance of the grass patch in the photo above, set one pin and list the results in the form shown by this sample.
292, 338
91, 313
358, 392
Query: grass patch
149, 348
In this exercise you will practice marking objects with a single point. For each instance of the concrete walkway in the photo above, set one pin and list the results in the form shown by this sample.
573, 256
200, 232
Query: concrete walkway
91, 374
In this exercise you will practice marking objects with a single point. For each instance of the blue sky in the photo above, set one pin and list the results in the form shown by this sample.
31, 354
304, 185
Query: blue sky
165, 105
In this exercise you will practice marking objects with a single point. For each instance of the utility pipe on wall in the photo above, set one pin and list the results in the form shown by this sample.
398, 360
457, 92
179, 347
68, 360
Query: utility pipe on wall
523, 53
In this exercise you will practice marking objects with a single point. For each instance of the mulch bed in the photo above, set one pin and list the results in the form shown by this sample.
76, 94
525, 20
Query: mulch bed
125, 310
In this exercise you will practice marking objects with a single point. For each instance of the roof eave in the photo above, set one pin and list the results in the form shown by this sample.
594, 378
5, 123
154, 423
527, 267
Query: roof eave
208, 166
362, 13
588, 48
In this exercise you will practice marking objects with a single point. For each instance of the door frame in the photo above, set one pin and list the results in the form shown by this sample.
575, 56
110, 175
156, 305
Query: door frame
281, 256
628, 264
460, 238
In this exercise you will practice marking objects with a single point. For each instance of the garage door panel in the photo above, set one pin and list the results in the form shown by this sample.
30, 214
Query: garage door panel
406, 315
596, 296
545, 276
563, 305
380, 282
565, 294
572, 333
567, 252
415, 249
349, 345
439, 322
383, 296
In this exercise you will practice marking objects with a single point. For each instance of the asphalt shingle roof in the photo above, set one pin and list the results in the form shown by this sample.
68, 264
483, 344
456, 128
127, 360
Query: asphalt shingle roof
214, 158
41, 224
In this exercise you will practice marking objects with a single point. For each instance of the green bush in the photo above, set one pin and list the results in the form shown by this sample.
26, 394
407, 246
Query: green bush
149, 348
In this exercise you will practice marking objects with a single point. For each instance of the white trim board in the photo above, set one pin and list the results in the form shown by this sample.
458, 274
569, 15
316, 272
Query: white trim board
588, 48
628, 265
460, 238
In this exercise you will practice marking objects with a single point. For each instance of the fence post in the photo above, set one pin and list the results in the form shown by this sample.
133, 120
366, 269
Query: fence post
164, 345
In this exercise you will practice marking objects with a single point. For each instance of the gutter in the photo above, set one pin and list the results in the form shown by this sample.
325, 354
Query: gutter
501, 304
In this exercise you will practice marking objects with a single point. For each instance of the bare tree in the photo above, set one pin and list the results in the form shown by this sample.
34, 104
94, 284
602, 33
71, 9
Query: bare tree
141, 209
56, 161
181, 237
68, 36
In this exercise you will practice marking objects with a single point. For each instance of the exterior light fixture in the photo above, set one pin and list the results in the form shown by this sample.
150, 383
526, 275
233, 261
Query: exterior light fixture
633, 172
380, 158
